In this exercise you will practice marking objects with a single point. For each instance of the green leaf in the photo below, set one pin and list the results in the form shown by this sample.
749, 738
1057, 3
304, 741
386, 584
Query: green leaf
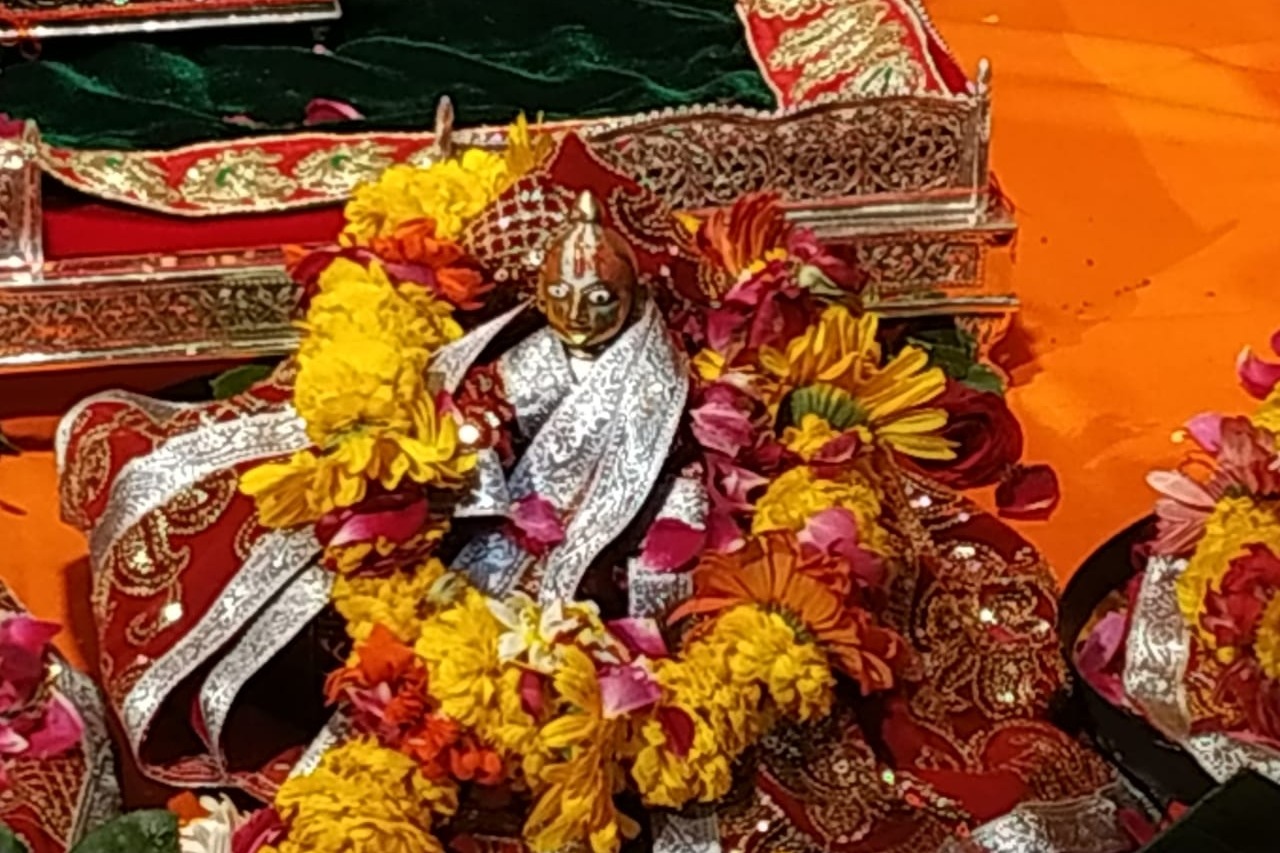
9, 842
138, 832
238, 380
983, 378
956, 352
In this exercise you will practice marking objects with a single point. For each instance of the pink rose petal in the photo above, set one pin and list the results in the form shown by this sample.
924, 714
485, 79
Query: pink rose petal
329, 111
830, 530
640, 636
1098, 657
1029, 493
29, 634
835, 532
1206, 429
533, 695
730, 485
1181, 488
722, 423
11, 743
724, 534
537, 523
11, 128
244, 120
671, 544
396, 525
59, 731
626, 689
1257, 377
838, 450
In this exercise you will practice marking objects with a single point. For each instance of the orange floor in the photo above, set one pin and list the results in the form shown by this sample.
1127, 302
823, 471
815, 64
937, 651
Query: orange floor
1141, 144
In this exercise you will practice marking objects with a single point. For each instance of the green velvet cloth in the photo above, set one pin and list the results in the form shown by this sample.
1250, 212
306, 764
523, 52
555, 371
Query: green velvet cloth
391, 59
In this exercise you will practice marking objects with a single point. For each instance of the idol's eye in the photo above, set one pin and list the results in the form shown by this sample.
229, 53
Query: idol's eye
600, 297
558, 290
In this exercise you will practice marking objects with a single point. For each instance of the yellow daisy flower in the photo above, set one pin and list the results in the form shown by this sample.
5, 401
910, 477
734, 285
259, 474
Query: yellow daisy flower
835, 367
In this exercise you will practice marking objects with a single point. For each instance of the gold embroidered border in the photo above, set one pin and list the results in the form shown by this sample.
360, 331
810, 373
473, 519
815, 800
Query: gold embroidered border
684, 155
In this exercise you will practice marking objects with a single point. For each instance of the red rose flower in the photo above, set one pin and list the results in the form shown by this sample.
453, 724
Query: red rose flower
987, 436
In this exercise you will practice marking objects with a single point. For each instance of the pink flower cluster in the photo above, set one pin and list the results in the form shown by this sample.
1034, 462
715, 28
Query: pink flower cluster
35, 720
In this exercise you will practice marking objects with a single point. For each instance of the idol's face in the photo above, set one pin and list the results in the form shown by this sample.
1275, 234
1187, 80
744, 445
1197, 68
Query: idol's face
586, 311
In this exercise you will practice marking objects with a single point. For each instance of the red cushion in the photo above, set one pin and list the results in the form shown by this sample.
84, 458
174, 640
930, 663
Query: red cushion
75, 227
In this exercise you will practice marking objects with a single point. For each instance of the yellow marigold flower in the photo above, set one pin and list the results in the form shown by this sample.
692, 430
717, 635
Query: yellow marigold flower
376, 208
358, 300
1234, 523
726, 716
401, 601
428, 452
667, 780
285, 492
838, 361
719, 680
575, 788
516, 733
1267, 644
763, 648
797, 495
356, 382
450, 192
460, 647
811, 436
363, 797
356, 557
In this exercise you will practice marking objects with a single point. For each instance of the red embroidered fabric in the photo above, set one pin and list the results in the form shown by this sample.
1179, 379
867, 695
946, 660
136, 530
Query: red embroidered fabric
962, 744
809, 50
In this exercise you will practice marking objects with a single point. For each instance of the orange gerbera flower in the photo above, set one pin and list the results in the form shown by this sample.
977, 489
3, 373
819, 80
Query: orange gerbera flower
446, 268
736, 238
770, 572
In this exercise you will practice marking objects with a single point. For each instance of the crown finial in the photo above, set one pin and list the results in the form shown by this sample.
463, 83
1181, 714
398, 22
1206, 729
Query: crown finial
586, 210
444, 127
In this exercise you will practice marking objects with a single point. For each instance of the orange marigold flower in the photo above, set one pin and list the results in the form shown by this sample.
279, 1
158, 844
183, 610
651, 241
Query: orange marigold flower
187, 807
415, 255
771, 572
379, 660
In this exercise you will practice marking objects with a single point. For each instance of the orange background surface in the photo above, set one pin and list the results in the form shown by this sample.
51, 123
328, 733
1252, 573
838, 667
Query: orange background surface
1140, 142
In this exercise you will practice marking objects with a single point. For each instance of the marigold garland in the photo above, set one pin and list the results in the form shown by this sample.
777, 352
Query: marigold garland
363, 796
447, 685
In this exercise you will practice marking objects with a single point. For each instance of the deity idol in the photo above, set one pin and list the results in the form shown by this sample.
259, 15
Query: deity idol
598, 395
571, 560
